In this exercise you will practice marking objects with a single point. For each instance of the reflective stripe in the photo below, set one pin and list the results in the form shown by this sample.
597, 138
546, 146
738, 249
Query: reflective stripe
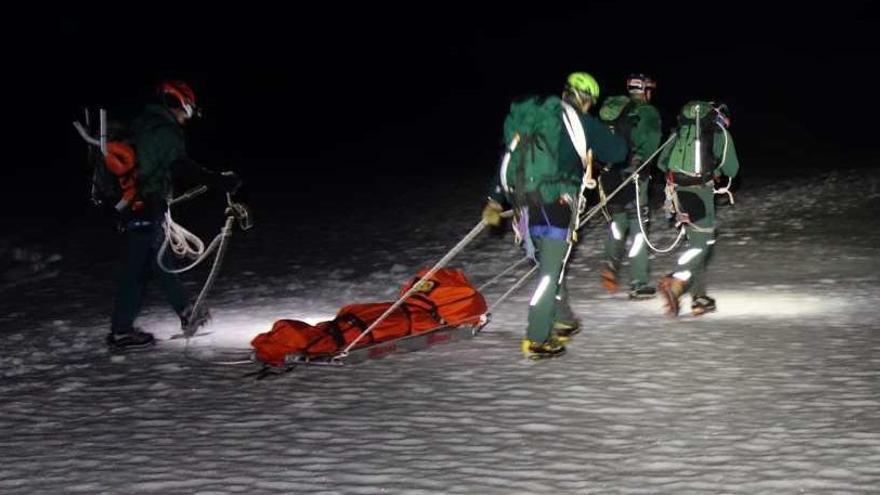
683, 276
638, 244
138, 224
506, 161
615, 232
689, 255
542, 287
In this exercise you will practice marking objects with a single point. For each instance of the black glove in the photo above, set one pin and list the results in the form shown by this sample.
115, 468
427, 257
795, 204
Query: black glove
228, 181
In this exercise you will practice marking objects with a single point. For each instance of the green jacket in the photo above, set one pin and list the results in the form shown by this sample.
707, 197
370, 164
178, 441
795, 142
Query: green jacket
606, 147
159, 142
647, 132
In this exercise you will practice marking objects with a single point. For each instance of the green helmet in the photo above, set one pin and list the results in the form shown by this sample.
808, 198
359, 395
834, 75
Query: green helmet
581, 84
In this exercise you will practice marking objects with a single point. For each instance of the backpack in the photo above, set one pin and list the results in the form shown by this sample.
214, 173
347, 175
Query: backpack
121, 162
615, 114
114, 175
534, 130
684, 154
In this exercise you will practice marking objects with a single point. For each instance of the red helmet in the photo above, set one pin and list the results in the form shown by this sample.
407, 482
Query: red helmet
640, 83
178, 94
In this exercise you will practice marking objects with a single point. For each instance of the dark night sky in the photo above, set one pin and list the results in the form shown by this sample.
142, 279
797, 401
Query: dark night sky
344, 96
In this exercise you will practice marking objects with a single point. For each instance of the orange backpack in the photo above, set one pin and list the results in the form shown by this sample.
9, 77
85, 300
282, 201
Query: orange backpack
120, 161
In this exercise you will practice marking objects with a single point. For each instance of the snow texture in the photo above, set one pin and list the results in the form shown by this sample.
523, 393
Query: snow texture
777, 392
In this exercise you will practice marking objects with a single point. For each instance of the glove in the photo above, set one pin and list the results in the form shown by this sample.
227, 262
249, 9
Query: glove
492, 213
242, 213
229, 181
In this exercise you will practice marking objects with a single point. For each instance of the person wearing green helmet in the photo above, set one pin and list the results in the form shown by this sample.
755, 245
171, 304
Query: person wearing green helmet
550, 144
636, 120
701, 154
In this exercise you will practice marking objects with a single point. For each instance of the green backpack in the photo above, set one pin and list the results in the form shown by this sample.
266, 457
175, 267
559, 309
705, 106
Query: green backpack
532, 171
616, 114
615, 109
683, 156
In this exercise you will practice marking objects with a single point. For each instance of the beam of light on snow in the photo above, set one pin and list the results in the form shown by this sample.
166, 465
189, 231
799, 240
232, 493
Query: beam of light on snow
231, 328
762, 304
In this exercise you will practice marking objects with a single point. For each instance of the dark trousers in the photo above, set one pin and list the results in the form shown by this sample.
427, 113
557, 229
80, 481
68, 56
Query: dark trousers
137, 267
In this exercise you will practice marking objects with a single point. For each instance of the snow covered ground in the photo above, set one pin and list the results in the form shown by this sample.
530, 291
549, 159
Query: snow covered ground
777, 392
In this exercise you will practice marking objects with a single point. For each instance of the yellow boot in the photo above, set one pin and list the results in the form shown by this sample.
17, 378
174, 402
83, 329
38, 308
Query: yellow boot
535, 351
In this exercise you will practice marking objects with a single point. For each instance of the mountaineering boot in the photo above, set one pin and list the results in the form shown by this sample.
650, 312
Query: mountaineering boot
190, 322
536, 351
133, 340
671, 289
642, 291
609, 277
702, 305
564, 330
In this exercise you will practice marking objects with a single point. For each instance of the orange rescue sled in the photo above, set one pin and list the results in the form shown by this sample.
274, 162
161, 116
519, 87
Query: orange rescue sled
445, 307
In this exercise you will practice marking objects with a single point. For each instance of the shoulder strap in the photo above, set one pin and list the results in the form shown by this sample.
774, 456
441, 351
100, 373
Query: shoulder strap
575, 129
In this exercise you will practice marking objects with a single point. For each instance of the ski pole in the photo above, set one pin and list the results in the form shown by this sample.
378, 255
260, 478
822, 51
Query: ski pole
698, 162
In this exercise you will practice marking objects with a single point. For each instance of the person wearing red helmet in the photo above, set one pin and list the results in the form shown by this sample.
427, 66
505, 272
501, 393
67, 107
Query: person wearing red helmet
636, 120
180, 99
158, 140
640, 87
